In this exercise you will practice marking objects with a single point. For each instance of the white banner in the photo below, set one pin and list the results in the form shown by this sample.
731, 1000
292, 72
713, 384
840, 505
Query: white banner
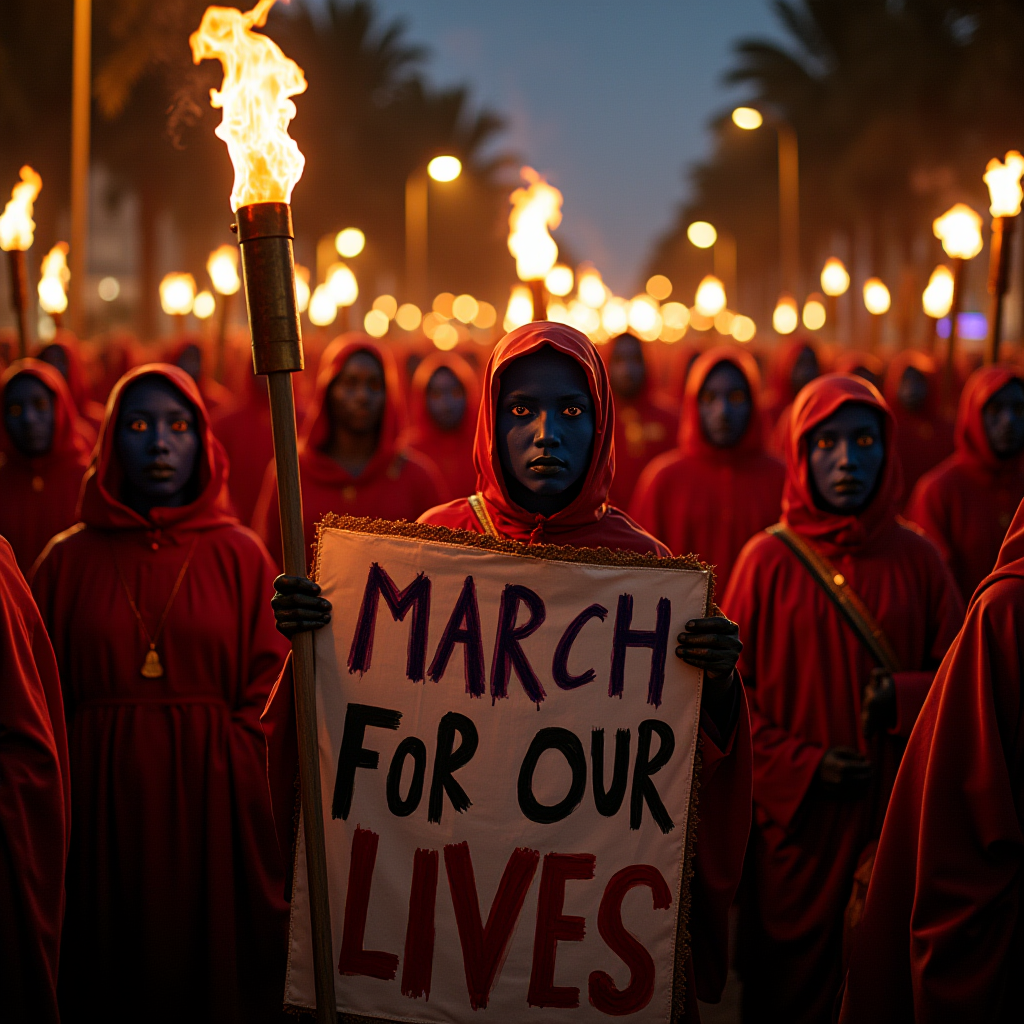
506, 753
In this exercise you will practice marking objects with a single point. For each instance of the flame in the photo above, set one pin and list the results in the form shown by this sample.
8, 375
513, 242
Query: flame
959, 230
222, 266
53, 278
835, 279
1003, 182
16, 223
938, 296
877, 299
710, 299
535, 209
177, 293
258, 81
785, 318
520, 308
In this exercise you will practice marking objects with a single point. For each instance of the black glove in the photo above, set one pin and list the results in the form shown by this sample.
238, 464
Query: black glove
298, 606
844, 772
714, 645
878, 706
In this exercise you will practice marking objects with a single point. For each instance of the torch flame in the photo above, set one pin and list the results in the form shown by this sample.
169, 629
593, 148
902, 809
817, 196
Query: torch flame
534, 210
258, 81
1003, 182
53, 277
16, 223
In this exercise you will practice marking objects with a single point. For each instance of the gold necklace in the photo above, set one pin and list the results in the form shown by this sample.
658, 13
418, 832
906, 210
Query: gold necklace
152, 667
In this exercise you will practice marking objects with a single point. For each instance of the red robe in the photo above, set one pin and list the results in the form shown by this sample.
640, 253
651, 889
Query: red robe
925, 437
395, 484
38, 496
78, 384
35, 805
779, 395
247, 437
805, 670
942, 939
217, 399
175, 885
450, 450
590, 522
966, 503
710, 500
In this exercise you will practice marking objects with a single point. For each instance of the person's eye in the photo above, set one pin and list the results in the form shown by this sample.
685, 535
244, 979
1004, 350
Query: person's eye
706, 397
140, 426
866, 441
825, 443
15, 410
180, 426
572, 411
520, 410
737, 397
40, 405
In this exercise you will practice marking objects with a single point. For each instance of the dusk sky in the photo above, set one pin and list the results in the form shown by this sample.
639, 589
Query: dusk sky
609, 98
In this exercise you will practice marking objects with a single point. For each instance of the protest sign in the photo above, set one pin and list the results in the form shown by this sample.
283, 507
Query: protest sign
507, 750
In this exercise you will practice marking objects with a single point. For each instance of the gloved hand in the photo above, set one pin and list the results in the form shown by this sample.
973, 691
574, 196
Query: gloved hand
878, 706
298, 606
713, 644
844, 772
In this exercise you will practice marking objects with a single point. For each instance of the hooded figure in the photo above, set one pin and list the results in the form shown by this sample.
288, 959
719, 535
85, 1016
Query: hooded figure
793, 366
706, 498
190, 353
175, 885
450, 446
35, 804
39, 492
820, 785
64, 354
645, 424
925, 434
941, 937
395, 483
860, 364
966, 503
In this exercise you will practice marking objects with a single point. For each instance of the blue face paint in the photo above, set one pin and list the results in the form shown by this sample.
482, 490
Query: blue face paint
157, 445
28, 415
446, 399
845, 456
627, 371
1003, 418
545, 428
724, 405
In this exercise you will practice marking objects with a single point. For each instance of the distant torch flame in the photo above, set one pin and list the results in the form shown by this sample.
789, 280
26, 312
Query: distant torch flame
258, 81
53, 278
535, 209
16, 224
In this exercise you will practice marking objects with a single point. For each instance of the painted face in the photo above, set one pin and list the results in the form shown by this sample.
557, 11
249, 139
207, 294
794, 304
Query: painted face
446, 399
157, 445
1003, 416
191, 361
805, 369
626, 369
57, 358
28, 415
913, 389
545, 427
725, 406
845, 456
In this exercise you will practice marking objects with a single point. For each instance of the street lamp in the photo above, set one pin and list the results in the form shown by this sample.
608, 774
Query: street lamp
877, 301
417, 185
723, 250
1003, 180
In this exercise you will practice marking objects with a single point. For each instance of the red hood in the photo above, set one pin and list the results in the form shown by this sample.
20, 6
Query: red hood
891, 388
832, 533
67, 441
422, 429
691, 438
589, 505
781, 374
316, 429
650, 383
100, 505
971, 440
77, 384
850, 362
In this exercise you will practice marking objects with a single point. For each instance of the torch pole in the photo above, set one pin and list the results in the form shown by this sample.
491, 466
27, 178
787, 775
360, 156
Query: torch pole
268, 272
540, 299
999, 269
222, 333
19, 293
954, 313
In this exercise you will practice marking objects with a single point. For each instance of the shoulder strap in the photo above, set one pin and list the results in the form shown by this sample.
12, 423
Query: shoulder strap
842, 595
483, 517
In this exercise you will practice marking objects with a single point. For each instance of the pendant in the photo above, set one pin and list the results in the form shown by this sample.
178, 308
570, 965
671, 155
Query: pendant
151, 667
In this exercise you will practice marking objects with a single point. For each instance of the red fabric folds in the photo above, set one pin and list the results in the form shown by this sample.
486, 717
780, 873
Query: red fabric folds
395, 484
38, 496
175, 884
967, 502
708, 500
247, 436
805, 671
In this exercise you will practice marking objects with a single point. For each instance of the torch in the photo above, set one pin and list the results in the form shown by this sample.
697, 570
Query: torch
177, 294
535, 209
222, 266
259, 81
877, 301
53, 281
16, 231
937, 300
835, 280
1005, 193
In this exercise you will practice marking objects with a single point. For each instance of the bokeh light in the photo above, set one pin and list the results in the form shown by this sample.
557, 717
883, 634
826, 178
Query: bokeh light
323, 310
444, 168
659, 287
814, 313
938, 295
877, 299
785, 317
710, 299
408, 316
747, 118
835, 279
376, 323
559, 280
349, 242
204, 305
702, 234
386, 304
465, 308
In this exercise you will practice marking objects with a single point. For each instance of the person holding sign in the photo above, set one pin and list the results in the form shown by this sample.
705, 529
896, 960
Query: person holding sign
545, 459
157, 608
845, 614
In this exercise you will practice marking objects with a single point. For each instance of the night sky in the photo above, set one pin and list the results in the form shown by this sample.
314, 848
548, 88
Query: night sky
609, 98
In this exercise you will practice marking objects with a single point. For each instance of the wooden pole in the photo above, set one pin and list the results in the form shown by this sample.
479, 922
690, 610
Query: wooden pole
19, 296
222, 334
999, 268
540, 301
81, 89
416, 245
789, 208
954, 313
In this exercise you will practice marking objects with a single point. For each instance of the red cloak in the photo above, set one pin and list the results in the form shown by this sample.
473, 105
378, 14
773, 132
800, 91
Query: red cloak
35, 804
645, 426
38, 496
941, 936
395, 484
805, 669
450, 450
966, 503
78, 384
926, 436
248, 439
175, 883
710, 500
779, 397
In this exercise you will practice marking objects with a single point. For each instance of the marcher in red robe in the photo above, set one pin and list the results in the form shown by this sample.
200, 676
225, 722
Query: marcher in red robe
190, 353
167, 651
42, 462
586, 521
443, 401
711, 496
793, 366
248, 439
35, 805
821, 786
64, 354
941, 938
913, 391
860, 364
645, 424
350, 458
